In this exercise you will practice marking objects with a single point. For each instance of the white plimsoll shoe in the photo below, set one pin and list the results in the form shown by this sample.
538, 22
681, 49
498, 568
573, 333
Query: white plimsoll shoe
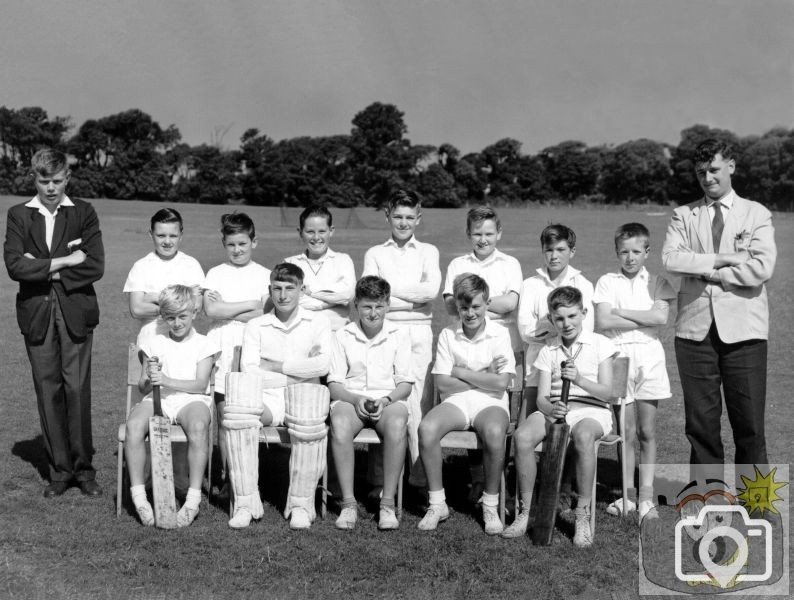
145, 514
493, 524
186, 516
616, 507
434, 515
241, 519
583, 536
347, 518
300, 518
387, 519
518, 527
647, 509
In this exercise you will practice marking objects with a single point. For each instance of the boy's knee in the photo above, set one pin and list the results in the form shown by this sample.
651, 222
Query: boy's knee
395, 428
493, 435
196, 430
428, 433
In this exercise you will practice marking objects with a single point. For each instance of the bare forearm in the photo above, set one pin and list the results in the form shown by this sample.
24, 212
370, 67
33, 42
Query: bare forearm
492, 382
231, 310
644, 318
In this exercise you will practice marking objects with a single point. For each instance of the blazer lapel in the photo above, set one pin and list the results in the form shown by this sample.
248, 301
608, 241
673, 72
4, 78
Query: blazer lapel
737, 216
61, 221
38, 233
703, 227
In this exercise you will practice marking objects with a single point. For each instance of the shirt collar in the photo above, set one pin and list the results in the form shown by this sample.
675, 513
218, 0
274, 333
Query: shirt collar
495, 255
412, 242
36, 203
642, 275
570, 274
354, 329
586, 337
328, 254
726, 201
487, 331
270, 319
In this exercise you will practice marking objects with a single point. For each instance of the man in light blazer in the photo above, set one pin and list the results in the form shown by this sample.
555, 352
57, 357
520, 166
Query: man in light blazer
53, 248
723, 247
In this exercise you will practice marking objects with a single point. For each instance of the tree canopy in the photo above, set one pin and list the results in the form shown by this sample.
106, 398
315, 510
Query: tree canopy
130, 155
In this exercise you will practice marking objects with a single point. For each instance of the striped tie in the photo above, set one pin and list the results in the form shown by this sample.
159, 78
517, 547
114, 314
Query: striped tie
717, 225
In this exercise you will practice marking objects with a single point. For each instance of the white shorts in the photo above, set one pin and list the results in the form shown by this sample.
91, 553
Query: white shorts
471, 403
647, 371
173, 403
274, 400
578, 411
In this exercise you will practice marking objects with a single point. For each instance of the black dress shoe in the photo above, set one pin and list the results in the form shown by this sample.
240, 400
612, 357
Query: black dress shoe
56, 488
90, 488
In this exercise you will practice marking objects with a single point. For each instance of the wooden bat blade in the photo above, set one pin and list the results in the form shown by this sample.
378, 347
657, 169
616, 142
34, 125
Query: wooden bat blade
552, 463
162, 473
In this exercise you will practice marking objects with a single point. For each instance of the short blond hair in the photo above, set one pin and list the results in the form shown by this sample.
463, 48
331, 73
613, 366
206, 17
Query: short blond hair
177, 298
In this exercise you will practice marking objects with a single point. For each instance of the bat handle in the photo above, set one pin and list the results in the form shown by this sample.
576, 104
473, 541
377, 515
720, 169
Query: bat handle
566, 385
158, 408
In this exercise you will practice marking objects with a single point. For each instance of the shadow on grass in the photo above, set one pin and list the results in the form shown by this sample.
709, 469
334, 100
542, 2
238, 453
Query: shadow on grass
32, 451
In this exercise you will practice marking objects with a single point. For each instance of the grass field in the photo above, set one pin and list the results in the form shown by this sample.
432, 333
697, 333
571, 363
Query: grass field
76, 548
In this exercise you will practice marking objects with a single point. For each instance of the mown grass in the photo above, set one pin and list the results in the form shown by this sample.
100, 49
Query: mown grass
73, 547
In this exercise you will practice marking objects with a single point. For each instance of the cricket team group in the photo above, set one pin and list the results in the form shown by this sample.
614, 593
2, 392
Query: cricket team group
308, 346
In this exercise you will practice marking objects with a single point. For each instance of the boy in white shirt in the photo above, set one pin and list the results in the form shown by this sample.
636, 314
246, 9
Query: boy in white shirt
284, 346
474, 366
234, 293
370, 380
412, 269
584, 358
558, 244
181, 362
503, 275
165, 266
631, 305
329, 276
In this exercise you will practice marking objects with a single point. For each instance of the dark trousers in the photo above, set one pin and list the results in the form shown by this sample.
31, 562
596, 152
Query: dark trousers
61, 369
740, 370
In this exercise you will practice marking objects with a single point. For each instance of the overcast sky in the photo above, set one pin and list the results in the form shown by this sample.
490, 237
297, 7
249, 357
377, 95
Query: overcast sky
464, 72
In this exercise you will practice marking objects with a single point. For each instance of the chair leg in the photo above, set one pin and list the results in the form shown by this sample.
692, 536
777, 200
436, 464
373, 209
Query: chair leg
119, 476
502, 493
324, 491
400, 493
593, 496
624, 477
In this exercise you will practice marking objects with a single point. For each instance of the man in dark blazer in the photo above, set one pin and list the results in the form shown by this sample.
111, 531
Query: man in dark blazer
53, 248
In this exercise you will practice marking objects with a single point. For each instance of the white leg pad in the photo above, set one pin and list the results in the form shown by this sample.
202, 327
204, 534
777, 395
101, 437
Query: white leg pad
241, 435
307, 406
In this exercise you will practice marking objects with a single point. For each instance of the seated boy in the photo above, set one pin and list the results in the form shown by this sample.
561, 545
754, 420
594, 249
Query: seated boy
473, 369
286, 345
181, 363
370, 380
584, 358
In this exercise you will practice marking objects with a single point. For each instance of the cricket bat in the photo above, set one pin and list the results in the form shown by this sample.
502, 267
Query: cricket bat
552, 462
162, 465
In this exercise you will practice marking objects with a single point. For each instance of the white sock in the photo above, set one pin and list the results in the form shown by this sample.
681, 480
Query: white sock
491, 500
437, 497
193, 498
138, 493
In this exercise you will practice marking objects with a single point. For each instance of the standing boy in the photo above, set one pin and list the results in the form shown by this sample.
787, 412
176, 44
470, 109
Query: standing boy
284, 346
723, 246
53, 248
587, 359
502, 273
631, 305
558, 243
411, 267
370, 380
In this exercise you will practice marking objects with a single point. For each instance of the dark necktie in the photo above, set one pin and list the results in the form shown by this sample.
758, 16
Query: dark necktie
717, 225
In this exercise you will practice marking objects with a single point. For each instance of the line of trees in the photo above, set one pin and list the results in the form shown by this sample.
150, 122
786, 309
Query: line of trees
129, 155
